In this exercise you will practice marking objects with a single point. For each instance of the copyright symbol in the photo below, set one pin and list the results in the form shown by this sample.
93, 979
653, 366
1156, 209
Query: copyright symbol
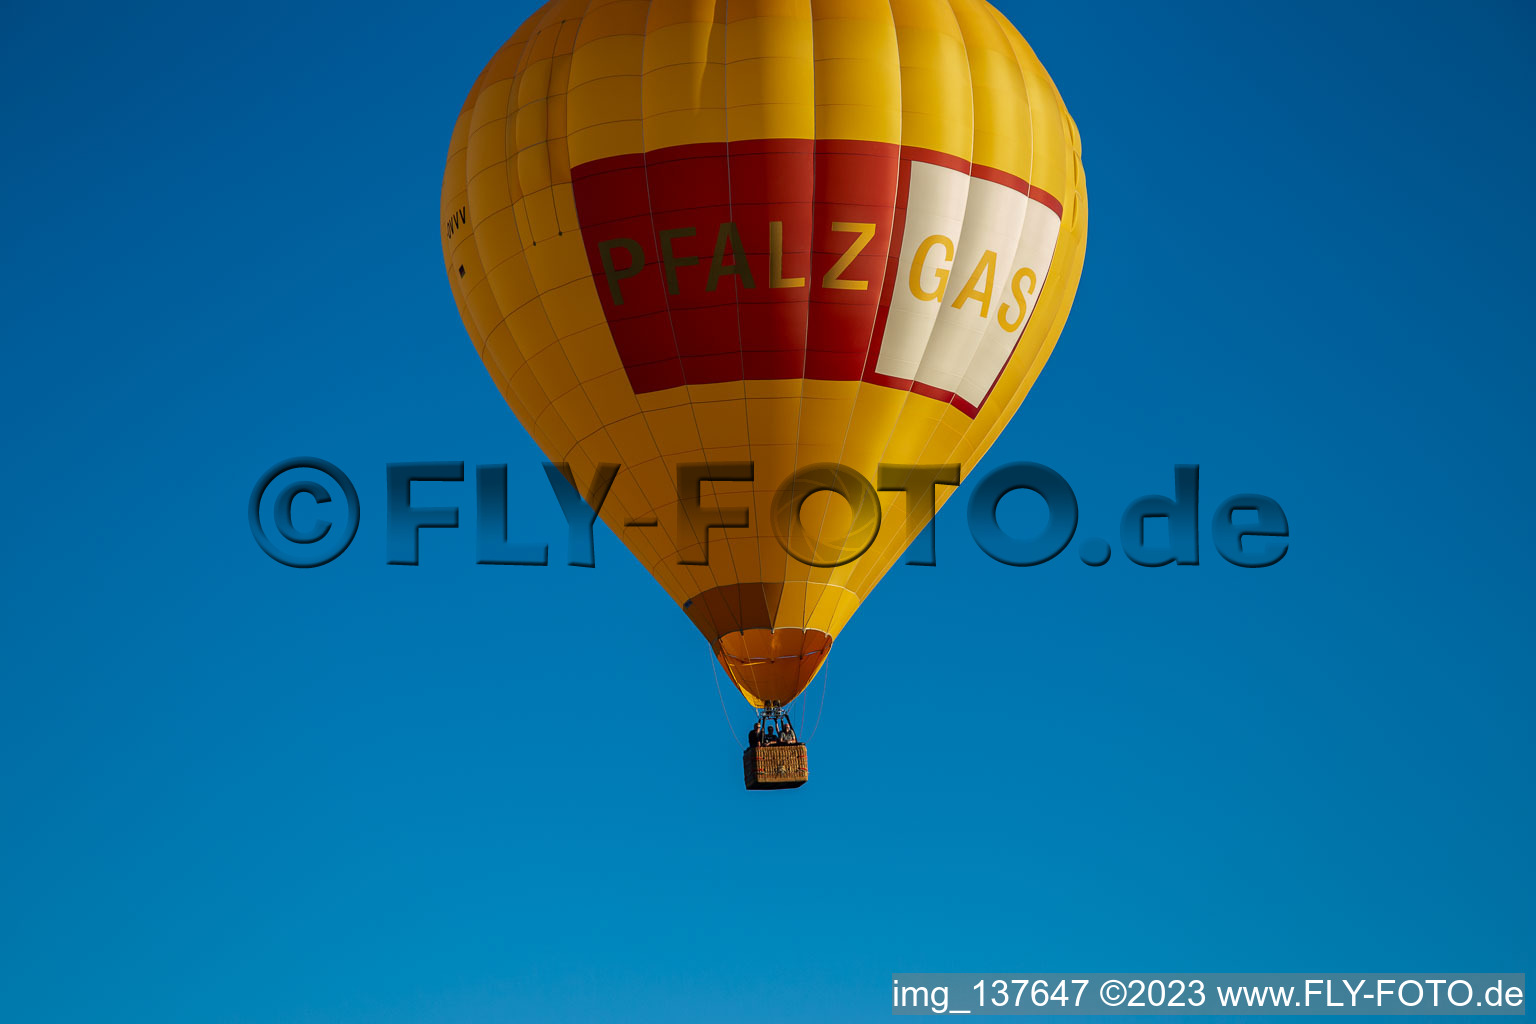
1112, 993
282, 514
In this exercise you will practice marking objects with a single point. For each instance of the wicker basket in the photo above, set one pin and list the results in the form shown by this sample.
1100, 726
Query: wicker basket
775, 767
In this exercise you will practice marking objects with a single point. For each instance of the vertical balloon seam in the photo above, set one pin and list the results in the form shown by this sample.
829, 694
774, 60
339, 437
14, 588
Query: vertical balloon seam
765, 556
652, 556
515, 163
476, 332
847, 590
1027, 381
508, 158
1062, 294
838, 579
971, 186
725, 86
479, 335
834, 587
1062, 247
728, 592
489, 352
677, 349
806, 606
489, 357
659, 571
459, 287
506, 122
679, 540
760, 540
961, 442
514, 196
1031, 176
788, 584
762, 531
832, 581
686, 389
886, 557
893, 419
899, 538
659, 566
800, 588
875, 574
1013, 400
870, 562
1028, 177
730, 217
805, 345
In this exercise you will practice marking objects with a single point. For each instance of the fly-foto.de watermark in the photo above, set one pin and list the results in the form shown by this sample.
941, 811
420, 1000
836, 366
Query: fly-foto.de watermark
1247, 530
1202, 993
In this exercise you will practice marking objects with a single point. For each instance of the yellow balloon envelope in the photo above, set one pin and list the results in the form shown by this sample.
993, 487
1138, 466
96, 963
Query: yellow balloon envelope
812, 238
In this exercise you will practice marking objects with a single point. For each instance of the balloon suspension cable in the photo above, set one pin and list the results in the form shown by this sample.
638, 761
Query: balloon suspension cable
714, 673
826, 677
772, 713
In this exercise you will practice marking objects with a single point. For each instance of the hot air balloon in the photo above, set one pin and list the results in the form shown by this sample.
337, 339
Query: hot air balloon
728, 245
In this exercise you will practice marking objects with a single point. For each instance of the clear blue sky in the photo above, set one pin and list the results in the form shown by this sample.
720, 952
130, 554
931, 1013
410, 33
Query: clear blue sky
236, 792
